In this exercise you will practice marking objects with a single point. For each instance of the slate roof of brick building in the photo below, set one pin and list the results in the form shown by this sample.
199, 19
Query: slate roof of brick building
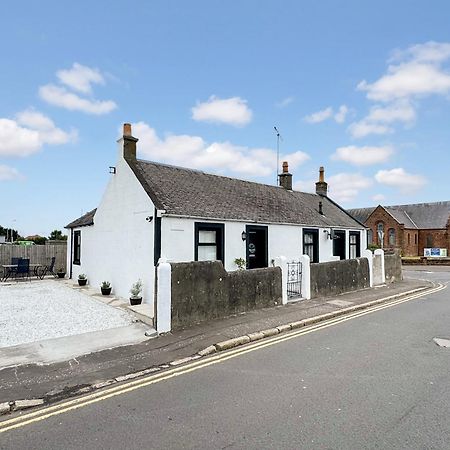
193, 193
420, 215
83, 221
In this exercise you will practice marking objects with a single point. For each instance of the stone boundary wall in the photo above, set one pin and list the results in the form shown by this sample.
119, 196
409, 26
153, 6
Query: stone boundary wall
337, 277
393, 267
203, 291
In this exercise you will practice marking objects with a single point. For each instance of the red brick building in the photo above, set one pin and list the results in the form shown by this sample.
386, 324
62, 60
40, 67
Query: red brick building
410, 228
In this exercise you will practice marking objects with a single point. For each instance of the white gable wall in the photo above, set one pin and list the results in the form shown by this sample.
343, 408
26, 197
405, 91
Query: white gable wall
178, 240
119, 246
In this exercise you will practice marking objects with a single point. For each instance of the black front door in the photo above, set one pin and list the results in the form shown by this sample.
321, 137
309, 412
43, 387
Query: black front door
256, 246
339, 243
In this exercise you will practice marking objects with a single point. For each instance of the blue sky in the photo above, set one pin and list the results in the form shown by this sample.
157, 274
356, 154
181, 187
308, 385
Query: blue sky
359, 87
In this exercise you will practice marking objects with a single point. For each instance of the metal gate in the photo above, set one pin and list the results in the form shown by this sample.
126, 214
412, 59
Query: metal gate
294, 282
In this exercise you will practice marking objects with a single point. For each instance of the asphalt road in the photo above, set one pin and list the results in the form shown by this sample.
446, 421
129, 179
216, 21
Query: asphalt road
377, 382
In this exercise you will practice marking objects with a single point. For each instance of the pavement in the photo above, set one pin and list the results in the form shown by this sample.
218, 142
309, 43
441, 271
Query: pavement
376, 380
53, 382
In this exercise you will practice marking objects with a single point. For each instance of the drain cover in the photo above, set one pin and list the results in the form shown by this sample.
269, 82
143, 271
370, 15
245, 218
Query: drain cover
442, 342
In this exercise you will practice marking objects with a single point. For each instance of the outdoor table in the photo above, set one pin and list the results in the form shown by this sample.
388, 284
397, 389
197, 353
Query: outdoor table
9, 270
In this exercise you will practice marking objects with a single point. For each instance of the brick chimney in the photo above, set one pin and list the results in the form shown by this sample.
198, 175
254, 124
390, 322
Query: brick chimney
321, 185
285, 177
129, 143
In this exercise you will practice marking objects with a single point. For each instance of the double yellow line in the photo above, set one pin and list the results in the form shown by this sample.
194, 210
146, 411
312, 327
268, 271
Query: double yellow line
70, 405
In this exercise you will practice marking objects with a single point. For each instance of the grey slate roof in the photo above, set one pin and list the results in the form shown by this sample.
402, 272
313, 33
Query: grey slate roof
419, 215
361, 214
427, 215
187, 192
83, 221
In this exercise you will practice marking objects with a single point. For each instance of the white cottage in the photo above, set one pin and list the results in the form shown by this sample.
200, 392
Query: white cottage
151, 211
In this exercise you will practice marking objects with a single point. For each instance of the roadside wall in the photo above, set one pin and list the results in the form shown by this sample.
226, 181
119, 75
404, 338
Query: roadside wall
393, 267
337, 277
202, 291
37, 254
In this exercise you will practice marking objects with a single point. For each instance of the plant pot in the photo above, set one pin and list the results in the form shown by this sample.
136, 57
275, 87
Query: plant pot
135, 300
106, 291
61, 274
82, 282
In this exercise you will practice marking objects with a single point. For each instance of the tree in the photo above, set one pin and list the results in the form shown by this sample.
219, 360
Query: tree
9, 233
56, 235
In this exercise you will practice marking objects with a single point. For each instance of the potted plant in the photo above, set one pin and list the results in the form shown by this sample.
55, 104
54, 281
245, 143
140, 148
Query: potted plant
240, 263
82, 280
135, 291
106, 288
61, 272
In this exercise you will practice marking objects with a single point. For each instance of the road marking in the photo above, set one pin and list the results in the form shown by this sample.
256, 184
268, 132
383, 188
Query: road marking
70, 405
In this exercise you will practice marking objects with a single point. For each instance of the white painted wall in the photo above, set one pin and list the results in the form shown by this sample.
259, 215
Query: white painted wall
119, 246
177, 241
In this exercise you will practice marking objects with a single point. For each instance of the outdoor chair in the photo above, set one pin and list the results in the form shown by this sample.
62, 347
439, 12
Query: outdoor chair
49, 269
23, 268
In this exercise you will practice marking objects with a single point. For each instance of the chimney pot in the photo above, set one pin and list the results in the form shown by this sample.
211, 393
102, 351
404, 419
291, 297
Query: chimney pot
127, 129
285, 177
322, 185
129, 143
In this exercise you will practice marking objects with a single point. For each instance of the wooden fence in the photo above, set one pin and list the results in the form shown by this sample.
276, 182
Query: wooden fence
37, 254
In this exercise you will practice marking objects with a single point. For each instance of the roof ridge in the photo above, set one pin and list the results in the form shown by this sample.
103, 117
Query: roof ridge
188, 169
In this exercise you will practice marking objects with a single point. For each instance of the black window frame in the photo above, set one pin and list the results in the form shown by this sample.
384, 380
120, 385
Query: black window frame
315, 243
76, 247
357, 244
220, 239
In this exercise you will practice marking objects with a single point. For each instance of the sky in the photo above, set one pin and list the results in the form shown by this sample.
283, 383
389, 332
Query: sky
361, 88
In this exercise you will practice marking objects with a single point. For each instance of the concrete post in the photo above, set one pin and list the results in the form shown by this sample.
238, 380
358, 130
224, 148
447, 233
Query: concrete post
379, 259
163, 314
306, 276
281, 261
369, 255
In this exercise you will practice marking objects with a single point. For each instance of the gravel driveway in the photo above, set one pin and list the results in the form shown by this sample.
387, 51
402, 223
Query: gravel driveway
37, 310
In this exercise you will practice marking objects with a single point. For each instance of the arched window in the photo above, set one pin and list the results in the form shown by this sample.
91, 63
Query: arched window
380, 233
391, 236
369, 236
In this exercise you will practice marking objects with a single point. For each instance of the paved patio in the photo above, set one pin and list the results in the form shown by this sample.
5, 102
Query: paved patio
49, 309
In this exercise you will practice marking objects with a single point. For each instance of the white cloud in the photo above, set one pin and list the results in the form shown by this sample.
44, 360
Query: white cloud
380, 118
341, 115
8, 173
400, 111
406, 182
363, 156
320, 116
60, 96
344, 187
193, 151
328, 113
363, 128
231, 111
285, 102
415, 72
29, 132
378, 198
80, 78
